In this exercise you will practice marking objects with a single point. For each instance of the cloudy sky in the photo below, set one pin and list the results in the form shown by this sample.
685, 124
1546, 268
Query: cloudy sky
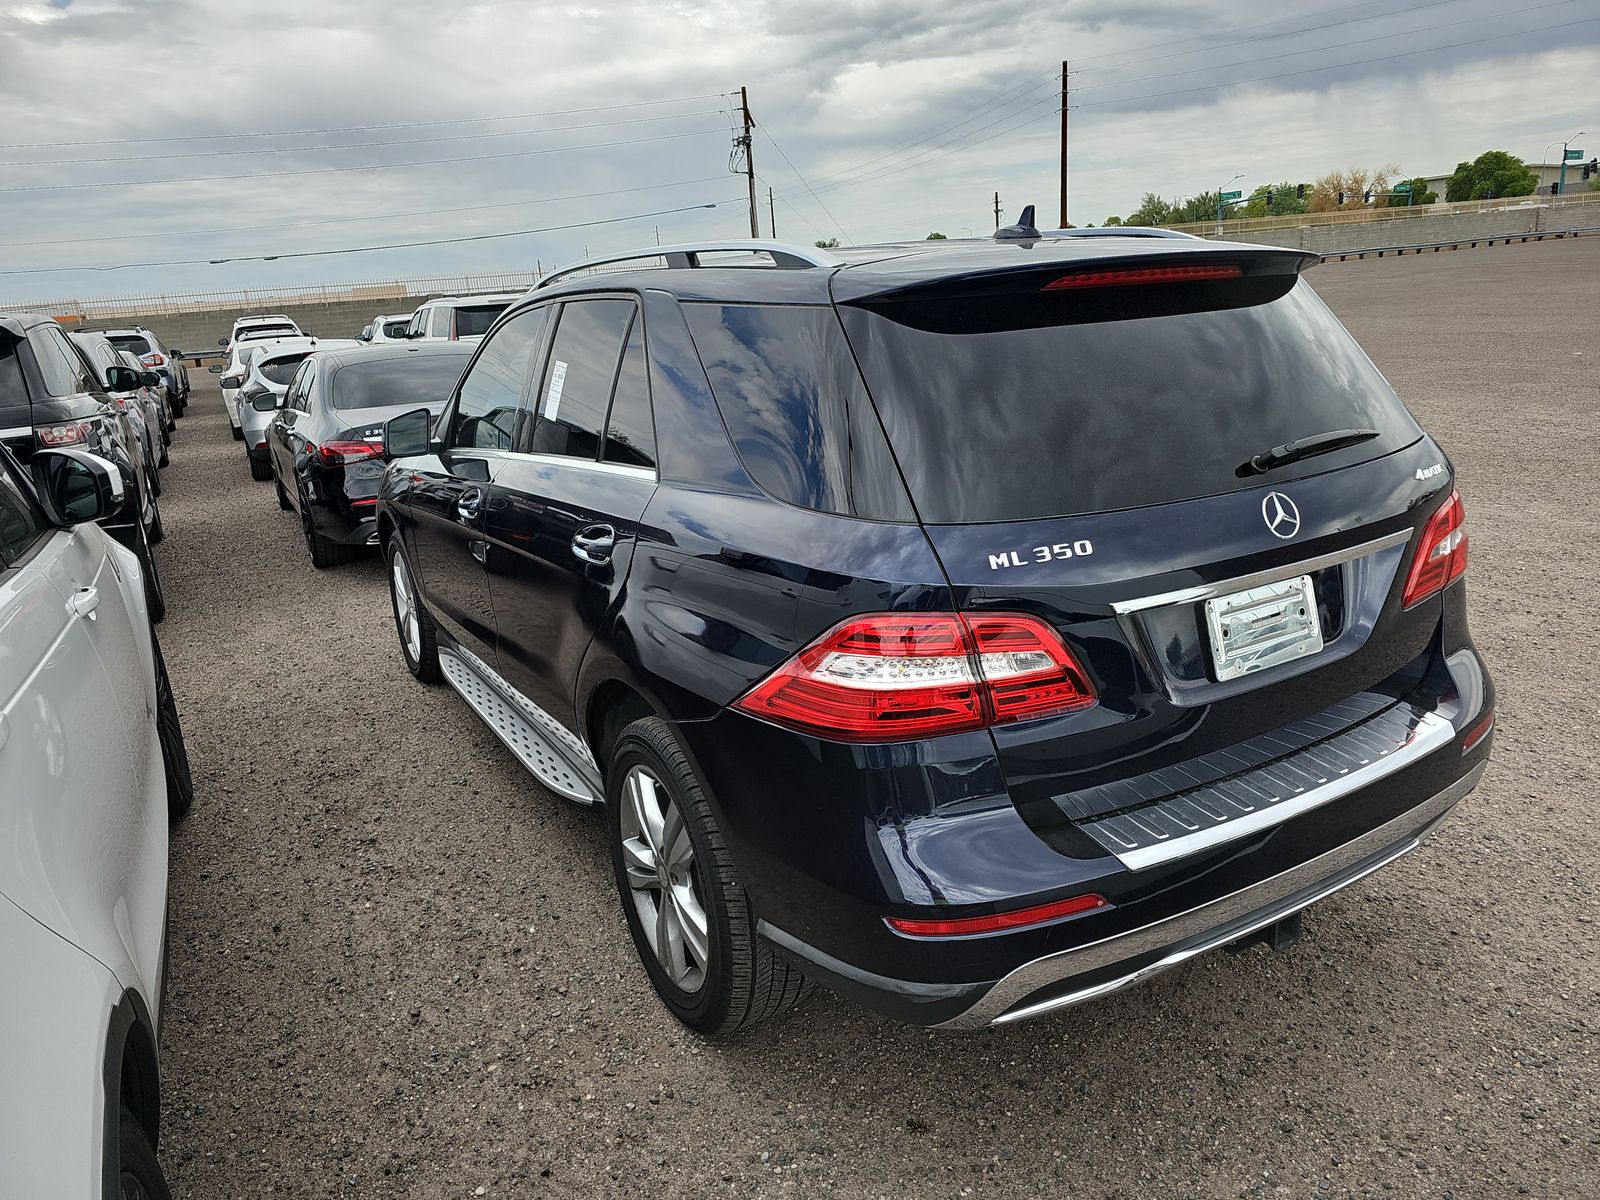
144, 131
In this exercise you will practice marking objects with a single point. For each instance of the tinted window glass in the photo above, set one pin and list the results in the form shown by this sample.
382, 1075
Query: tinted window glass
486, 413
299, 395
1097, 415
13, 391
135, 343
576, 389
792, 399
281, 370
63, 371
395, 329
414, 380
21, 522
475, 321
630, 437
439, 324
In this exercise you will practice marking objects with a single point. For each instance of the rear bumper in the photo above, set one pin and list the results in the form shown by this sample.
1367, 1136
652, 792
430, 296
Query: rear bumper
341, 521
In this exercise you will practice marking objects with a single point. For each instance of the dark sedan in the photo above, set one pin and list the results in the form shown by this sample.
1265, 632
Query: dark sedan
326, 441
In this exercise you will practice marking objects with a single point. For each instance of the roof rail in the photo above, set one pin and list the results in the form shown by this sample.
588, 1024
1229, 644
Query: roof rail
1122, 231
785, 256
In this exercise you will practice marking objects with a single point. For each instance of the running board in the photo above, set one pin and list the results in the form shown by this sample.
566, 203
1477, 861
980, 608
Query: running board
546, 747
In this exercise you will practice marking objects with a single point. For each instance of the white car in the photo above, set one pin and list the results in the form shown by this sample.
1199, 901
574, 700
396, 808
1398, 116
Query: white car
245, 331
269, 369
457, 318
382, 329
92, 771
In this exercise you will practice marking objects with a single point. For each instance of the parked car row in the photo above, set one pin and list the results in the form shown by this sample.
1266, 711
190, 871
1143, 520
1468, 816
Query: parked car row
93, 766
979, 632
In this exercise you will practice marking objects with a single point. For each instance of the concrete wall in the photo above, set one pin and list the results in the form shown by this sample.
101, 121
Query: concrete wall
1500, 222
197, 333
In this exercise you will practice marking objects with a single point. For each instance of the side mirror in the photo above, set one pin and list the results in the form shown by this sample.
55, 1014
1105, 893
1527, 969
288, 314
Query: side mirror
150, 379
407, 434
215, 368
78, 487
223, 342
123, 379
266, 401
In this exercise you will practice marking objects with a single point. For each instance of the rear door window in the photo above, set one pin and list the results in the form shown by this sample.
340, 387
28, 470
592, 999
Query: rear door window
580, 372
64, 370
440, 323
630, 434
1164, 403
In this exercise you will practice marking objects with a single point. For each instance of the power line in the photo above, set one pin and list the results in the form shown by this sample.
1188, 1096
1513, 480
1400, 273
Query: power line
425, 162
798, 176
479, 237
209, 137
426, 212
455, 137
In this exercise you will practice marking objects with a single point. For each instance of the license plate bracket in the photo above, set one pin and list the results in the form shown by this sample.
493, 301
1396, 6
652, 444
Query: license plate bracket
1263, 627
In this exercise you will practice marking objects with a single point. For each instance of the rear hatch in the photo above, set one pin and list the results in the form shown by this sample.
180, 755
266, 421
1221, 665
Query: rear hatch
1107, 412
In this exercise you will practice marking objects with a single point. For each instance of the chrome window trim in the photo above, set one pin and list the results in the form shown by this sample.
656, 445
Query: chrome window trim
1209, 591
567, 460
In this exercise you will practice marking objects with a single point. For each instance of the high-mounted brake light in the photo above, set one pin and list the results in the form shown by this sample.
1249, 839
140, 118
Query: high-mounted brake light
889, 677
1198, 273
65, 435
1441, 555
336, 454
1039, 914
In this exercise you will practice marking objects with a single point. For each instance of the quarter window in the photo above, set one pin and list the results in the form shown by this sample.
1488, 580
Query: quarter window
64, 372
486, 407
578, 378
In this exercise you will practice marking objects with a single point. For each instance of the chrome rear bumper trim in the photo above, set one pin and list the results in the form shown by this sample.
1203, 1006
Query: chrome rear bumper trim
1224, 920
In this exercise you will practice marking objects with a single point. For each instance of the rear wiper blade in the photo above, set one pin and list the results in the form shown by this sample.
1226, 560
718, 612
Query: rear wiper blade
1306, 447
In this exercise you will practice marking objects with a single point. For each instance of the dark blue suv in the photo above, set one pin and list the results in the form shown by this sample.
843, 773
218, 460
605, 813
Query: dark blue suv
974, 627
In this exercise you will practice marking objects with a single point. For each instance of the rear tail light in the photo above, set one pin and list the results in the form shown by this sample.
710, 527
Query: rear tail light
1198, 273
73, 434
895, 676
1441, 555
153, 360
1019, 918
336, 454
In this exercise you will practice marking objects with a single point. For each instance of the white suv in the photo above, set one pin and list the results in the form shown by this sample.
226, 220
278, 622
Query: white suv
92, 770
457, 318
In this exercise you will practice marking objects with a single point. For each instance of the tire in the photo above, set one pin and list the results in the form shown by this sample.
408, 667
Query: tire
419, 644
283, 496
154, 599
238, 434
166, 458
174, 754
324, 552
141, 1177
158, 531
261, 470
739, 981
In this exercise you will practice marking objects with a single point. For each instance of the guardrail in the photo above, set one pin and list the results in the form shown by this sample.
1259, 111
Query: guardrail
1456, 243
1369, 215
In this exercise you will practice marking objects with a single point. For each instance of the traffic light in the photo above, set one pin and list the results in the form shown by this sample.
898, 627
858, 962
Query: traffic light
1555, 189
1591, 167
1300, 191
1341, 199
1366, 196
1269, 199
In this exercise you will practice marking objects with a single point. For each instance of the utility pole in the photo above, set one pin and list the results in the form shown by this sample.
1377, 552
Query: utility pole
997, 210
1063, 143
772, 215
749, 161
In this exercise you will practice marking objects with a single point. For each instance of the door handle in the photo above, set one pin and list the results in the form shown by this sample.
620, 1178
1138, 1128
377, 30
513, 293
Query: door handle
470, 504
594, 543
83, 602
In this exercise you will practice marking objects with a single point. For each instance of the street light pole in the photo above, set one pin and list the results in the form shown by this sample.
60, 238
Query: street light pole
1221, 203
1561, 183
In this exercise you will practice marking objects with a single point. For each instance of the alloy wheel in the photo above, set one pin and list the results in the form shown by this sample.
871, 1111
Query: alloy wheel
405, 609
664, 886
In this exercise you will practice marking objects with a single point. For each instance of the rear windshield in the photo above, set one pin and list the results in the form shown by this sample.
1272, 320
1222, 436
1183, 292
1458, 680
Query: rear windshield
414, 380
1098, 415
396, 329
134, 343
475, 321
281, 370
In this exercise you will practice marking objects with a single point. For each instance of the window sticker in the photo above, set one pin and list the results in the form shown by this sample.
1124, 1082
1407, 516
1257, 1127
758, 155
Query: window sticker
552, 398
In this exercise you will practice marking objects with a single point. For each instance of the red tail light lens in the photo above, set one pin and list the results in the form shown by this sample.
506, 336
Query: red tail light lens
73, 434
1039, 914
154, 360
337, 454
1441, 555
1197, 273
896, 676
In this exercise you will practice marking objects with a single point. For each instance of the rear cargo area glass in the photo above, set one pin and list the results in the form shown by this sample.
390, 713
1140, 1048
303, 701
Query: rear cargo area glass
1097, 415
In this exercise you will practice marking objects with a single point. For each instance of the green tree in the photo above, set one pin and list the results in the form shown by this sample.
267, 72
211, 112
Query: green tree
1113, 220
1493, 173
1197, 208
1284, 202
1152, 210
936, 237
1419, 194
828, 243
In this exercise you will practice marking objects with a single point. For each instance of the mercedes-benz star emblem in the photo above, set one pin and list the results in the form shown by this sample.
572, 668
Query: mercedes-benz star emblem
1281, 515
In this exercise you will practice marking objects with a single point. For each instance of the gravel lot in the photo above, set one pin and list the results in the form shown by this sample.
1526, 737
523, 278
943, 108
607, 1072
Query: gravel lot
399, 967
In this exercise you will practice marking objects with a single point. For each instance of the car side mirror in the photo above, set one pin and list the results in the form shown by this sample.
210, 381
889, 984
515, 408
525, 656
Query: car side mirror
215, 368
223, 342
407, 434
123, 379
150, 379
77, 487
